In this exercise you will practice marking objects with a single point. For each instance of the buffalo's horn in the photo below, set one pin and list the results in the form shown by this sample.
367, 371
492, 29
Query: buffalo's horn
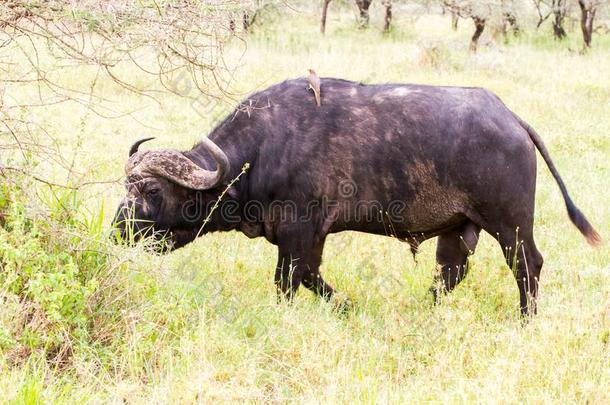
136, 145
213, 178
176, 167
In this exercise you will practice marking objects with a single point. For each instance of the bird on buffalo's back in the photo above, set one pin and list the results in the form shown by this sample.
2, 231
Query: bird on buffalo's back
314, 84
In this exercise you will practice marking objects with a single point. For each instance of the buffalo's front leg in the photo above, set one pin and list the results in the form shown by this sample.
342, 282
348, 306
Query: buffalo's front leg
288, 275
312, 279
294, 245
299, 258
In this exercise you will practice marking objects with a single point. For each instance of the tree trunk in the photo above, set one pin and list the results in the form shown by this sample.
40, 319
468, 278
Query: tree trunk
246, 21
388, 15
541, 18
363, 8
323, 20
455, 18
512, 21
586, 21
558, 30
479, 24
559, 12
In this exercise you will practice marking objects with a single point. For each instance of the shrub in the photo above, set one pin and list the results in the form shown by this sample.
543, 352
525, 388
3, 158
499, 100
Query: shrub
47, 281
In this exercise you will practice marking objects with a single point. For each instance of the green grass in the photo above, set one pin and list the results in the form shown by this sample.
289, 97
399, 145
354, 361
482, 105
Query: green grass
202, 324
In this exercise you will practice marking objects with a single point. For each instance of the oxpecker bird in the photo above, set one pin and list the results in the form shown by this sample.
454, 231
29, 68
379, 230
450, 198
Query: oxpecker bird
314, 84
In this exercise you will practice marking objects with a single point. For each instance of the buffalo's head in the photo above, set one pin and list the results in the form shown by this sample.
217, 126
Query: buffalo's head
164, 193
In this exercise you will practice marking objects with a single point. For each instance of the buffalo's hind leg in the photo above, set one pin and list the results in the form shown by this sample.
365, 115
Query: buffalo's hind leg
515, 236
452, 253
525, 261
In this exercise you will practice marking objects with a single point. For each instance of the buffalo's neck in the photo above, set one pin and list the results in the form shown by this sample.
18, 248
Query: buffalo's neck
240, 137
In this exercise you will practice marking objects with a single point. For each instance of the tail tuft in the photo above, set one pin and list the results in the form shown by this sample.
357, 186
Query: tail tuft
593, 238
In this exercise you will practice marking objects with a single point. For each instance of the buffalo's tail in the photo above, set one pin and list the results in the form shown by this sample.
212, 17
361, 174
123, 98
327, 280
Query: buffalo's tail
576, 216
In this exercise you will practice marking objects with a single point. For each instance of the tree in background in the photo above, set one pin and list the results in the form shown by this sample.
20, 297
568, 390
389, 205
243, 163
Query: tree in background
363, 9
588, 9
543, 11
40, 42
479, 25
388, 15
478, 11
509, 17
455, 19
560, 11
324, 13
363, 14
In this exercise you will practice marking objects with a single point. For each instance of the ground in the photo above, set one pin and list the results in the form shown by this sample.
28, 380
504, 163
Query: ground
228, 339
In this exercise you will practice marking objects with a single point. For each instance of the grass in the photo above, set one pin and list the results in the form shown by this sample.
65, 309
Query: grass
202, 324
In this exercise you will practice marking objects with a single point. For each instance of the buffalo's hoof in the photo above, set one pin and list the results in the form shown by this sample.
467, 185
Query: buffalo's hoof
343, 305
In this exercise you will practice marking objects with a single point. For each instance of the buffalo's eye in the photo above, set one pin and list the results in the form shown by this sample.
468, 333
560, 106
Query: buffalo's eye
153, 191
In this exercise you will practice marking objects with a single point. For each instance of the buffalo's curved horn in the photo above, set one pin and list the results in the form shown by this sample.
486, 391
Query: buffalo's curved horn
136, 145
213, 178
176, 167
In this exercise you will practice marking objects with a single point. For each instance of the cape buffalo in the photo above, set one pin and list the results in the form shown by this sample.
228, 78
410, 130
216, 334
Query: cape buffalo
403, 160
